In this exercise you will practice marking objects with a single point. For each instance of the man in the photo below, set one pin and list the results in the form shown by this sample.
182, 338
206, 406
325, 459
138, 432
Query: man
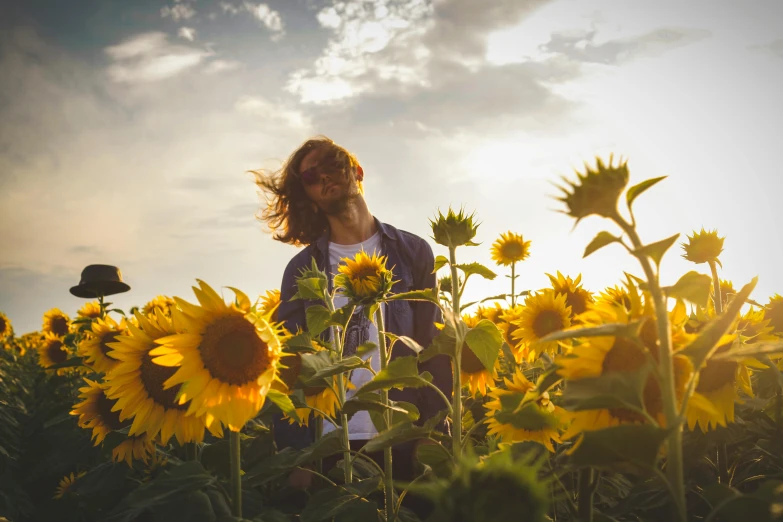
317, 200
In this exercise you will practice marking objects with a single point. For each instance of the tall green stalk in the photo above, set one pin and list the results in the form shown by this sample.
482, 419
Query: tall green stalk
717, 300
341, 393
456, 399
388, 480
236, 474
674, 462
586, 492
513, 280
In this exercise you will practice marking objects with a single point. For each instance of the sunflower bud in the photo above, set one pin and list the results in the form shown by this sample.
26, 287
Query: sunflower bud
703, 247
596, 191
364, 279
453, 230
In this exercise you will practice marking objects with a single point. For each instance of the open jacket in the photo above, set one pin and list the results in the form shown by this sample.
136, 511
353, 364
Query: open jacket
411, 260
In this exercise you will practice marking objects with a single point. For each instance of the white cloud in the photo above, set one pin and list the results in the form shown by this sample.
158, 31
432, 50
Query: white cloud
216, 66
273, 112
229, 8
188, 33
179, 11
149, 57
268, 17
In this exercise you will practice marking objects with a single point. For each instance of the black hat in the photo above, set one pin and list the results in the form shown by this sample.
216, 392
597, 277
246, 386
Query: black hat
99, 281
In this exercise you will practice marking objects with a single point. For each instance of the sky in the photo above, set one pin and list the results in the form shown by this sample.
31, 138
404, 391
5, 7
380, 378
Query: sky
128, 130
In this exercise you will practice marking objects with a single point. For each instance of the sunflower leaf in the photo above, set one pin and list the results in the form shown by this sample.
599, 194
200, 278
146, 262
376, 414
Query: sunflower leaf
443, 343
335, 368
707, 341
317, 317
402, 372
283, 401
372, 402
530, 416
428, 294
476, 268
407, 341
614, 390
628, 448
329, 503
601, 240
403, 432
485, 340
637, 190
299, 343
440, 262
655, 251
693, 287
342, 316
605, 330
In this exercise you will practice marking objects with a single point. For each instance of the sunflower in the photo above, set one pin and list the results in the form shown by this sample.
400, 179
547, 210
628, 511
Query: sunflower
67, 483
597, 356
754, 327
576, 297
5, 326
56, 322
321, 398
225, 362
364, 279
269, 304
712, 403
133, 448
94, 348
596, 191
137, 385
510, 248
96, 411
703, 247
90, 310
473, 373
52, 351
544, 313
163, 303
774, 312
492, 313
507, 325
510, 429
619, 296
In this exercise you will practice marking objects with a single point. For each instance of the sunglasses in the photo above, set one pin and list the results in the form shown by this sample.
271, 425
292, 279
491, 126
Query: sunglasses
330, 164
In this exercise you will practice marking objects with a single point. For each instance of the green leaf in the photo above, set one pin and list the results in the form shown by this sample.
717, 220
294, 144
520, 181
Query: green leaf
440, 262
317, 317
402, 372
312, 363
407, 341
428, 294
311, 288
606, 330
601, 240
732, 506
655, 251
530, 416
476, 268
628, 448
610, 390
435, 456
335, 368
707, 341
403, 432
341, 316
636, 190
485, 340
365, 348
327, 503
283, 401
548, 380
693, 287
372, 402
443, 343
299, 343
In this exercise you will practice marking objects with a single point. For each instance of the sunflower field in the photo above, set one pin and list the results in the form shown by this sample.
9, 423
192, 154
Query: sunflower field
649, 400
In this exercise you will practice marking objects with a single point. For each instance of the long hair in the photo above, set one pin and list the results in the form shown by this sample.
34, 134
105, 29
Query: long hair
289, 213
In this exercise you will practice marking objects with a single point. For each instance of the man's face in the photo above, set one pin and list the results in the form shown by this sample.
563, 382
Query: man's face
334, 187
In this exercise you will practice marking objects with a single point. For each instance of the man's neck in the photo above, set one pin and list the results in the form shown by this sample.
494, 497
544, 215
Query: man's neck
354, 225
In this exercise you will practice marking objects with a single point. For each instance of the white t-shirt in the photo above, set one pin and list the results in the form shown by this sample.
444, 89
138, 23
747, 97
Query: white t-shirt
360, 330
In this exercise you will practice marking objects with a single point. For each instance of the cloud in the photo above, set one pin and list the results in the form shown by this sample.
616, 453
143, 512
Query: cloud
149, 57
188, 33
179, 11
580, 46
229, 8
269, 18
775, 47
273, 112
217, 66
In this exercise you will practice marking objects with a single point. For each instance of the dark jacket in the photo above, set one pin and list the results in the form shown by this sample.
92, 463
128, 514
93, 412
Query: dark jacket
411, 260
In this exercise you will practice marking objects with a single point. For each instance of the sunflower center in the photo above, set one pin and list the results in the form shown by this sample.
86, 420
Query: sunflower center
715, 375
110, 418
110, 337
546, 322
152, 377
365, 272
649, 336
289, 374
577, 301
232, 351
56, 352
59, 325
469, 362
625, 356
512, 250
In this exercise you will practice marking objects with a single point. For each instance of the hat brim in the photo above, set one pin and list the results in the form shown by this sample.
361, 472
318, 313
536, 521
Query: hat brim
97, 289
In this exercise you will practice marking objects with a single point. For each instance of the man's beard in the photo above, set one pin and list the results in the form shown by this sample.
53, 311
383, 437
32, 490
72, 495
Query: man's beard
339, 205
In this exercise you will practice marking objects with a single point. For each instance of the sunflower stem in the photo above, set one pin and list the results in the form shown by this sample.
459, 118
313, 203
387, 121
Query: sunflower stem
341, 394
586, 492
717, 301
674, 462
456, 406
513, 280
236, 472
190, 451
388, 480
